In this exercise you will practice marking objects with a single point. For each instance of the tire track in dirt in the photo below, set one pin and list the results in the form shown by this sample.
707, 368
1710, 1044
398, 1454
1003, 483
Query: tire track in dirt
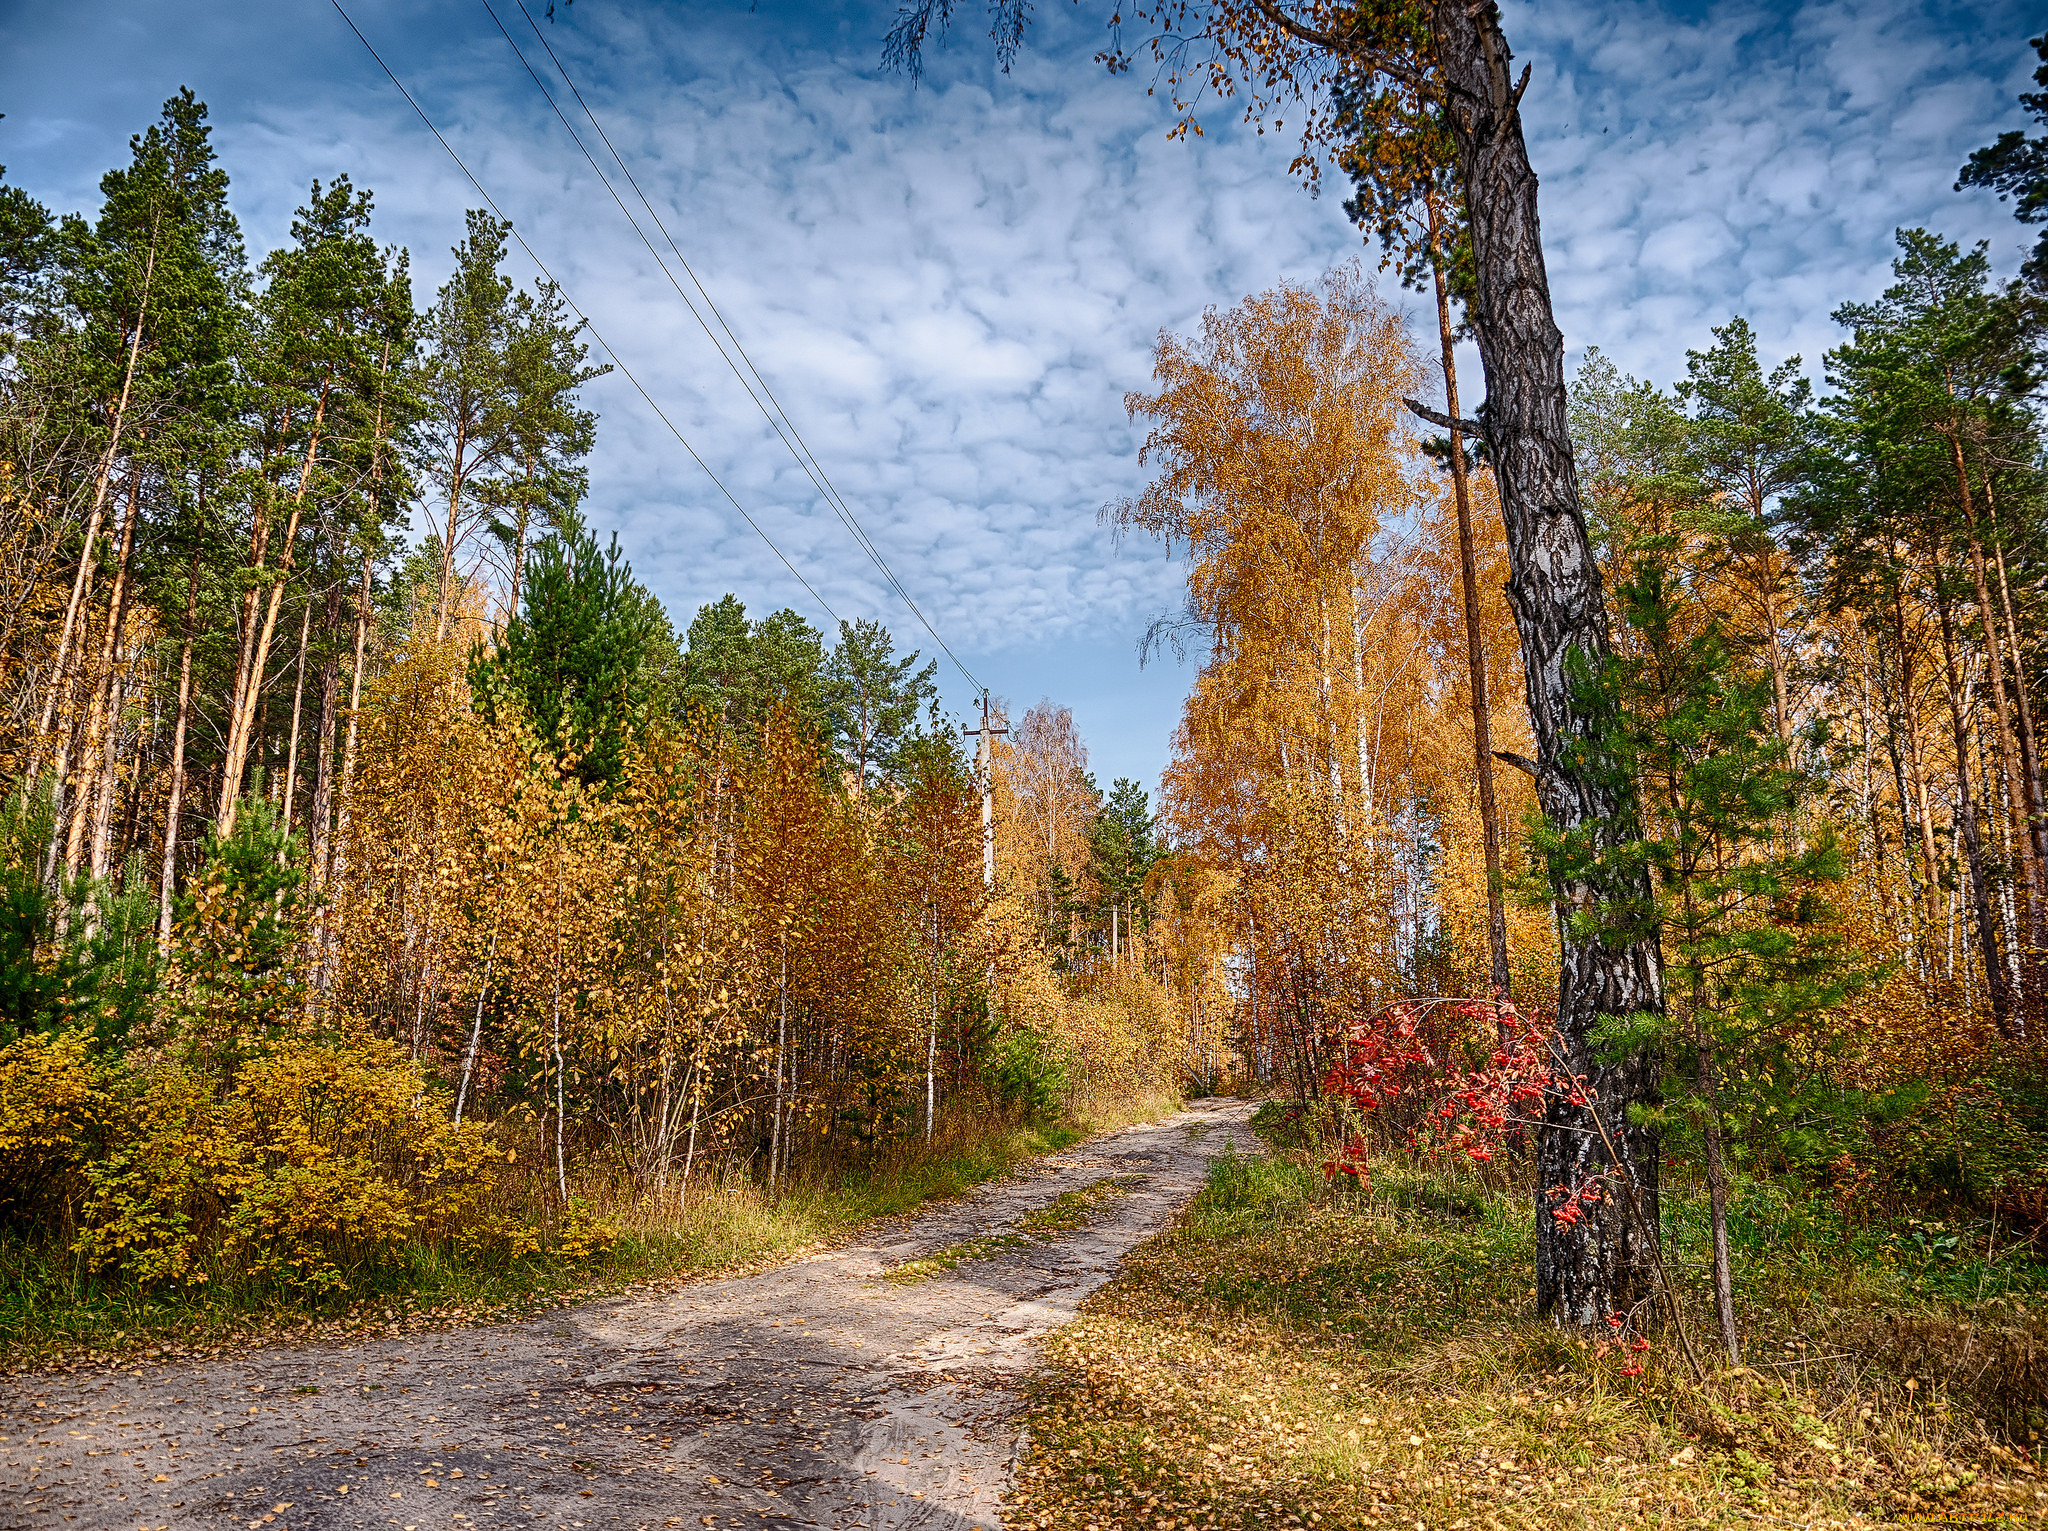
817, 1394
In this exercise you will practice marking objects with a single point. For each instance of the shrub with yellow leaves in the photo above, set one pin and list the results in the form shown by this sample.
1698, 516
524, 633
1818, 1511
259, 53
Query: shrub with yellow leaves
52, 1096
319, 1162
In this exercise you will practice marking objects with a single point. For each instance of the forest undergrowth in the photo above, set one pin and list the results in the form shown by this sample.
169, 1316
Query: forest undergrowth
1299, 1353
55, 1313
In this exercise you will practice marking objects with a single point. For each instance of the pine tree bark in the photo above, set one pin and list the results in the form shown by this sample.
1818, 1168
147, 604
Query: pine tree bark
321, 816
329, 929
84, 795
1995, 980
1909, 706
109, 788
256, 638
1475, 649
167, 886
81, 585
291, 764
458, 480
2011, 771
132, 815
319, 848
1590, 1155
2029, 746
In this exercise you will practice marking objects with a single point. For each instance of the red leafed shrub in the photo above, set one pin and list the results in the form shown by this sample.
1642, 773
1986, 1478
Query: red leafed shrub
1395, 1068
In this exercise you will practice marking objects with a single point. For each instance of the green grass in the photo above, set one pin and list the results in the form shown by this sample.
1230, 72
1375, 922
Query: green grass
1071, 1210
1297, 1354
53, 1312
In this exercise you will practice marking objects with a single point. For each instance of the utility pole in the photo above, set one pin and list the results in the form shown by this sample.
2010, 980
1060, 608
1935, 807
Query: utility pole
984, 768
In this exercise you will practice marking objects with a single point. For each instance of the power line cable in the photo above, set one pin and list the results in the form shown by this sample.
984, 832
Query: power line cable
582, 317
800, 449
750, 379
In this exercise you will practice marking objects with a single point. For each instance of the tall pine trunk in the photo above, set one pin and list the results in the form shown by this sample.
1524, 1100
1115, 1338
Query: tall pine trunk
175, 807
256, 638
81, 584
330, 927
2030, 745
444, 605
1995, 980
1475, 650
1590, 1155
102, 687
2012, 773
1909, 706
321, 817
291, 760
109, 788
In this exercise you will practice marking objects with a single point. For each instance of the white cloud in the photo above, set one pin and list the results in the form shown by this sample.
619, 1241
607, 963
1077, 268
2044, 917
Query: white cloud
952, 287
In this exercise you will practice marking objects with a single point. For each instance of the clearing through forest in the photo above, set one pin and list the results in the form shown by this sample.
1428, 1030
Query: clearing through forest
871, 1386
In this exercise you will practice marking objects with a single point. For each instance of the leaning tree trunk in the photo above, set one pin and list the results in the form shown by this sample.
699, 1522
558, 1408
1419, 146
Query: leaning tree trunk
1475, 650
1589, 1156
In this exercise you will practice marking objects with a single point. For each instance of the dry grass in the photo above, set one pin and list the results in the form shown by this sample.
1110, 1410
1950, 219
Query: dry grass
1291, 1356
52, 1315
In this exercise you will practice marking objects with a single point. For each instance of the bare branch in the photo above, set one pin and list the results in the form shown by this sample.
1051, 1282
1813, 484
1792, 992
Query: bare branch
1444, 422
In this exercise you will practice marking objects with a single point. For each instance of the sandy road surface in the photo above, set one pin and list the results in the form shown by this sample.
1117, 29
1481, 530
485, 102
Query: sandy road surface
813, 1395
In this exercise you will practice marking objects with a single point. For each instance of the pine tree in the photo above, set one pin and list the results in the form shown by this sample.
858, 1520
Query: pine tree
1123, 847
550, 433
2016, 166
149, 338
574, 660
321, 359
1686, 740
736, 671
1747, 443
468, 444
872, 699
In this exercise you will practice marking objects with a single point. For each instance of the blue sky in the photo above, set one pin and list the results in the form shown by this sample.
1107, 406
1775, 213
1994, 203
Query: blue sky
952, 287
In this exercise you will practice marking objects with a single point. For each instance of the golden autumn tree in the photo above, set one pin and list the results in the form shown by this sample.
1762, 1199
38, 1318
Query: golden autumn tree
934, 846
1286, 471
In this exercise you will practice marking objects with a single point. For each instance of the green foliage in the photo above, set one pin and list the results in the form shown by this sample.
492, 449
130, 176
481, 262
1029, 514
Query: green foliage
233, 983
1629, 441
548, 433
736, 671
1123, 847
860, 698
872, 699
32, 989
1681, 733
1242, 1191
158, 275
1395, 144
470, 392
574, 661
27, 245
1028, 1072
2016, 166
80, 957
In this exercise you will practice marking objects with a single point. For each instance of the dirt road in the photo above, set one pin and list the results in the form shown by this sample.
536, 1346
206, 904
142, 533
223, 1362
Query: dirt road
822, 1393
